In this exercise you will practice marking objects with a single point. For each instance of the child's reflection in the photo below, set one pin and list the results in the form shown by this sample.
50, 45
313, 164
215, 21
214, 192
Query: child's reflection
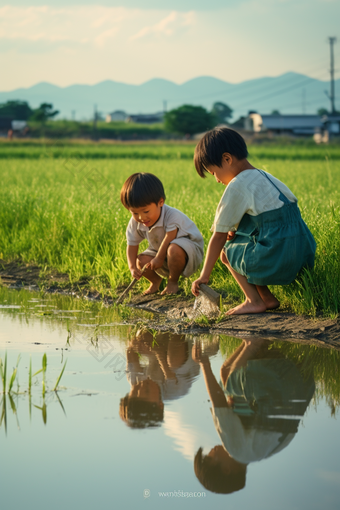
167, 375
256, 411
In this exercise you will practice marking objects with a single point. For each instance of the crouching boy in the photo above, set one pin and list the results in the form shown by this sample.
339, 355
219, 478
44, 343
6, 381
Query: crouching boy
175, 243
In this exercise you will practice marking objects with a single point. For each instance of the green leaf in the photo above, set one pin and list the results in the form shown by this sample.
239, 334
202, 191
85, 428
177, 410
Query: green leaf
13, 406
15, 371
30, 377
4, 373
11, 382
44, 363
44, 413
60, 376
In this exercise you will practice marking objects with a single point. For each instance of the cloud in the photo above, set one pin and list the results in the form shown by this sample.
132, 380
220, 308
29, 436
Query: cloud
64, 43
98, 25
168, 26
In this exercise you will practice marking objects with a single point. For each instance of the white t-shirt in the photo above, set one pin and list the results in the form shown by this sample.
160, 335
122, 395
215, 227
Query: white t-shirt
249, 192
169, 220
171, 389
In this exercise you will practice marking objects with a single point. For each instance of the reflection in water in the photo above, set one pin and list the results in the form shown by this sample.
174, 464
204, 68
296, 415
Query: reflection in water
9, 393
13, 406
159, 368
256, 411
264, 390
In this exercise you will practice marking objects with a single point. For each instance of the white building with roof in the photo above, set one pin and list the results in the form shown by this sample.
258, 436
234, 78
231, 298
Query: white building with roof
284, 124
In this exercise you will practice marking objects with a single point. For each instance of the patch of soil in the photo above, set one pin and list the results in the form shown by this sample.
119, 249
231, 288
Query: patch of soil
17, 275
271, 325
178, 313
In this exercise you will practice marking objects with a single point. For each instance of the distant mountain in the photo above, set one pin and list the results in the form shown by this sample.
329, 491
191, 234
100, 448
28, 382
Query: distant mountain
288, 93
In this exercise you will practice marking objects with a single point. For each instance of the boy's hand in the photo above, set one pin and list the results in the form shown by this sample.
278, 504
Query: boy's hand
156, 263
195, 287
136, 273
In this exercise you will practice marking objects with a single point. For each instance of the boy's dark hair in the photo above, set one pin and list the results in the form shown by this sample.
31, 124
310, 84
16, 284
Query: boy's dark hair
211, 476
138, 413
214, 144
141, 189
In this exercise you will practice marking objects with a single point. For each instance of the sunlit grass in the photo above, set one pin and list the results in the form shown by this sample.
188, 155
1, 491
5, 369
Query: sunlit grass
60, 214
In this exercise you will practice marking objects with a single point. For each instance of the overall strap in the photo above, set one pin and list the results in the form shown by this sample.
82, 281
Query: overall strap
282, 197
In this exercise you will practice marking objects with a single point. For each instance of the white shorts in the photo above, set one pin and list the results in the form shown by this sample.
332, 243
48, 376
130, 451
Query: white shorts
194, 254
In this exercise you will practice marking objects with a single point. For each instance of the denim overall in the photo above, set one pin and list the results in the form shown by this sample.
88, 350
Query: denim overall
271, 248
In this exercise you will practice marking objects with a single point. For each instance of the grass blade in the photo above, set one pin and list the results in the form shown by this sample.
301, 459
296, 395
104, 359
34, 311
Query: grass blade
2, 375
44, 363
4, 413
15, 371
30, 376
14, 409
12, 379
44, 413
60, 376
60, 402
3, 370
44, 367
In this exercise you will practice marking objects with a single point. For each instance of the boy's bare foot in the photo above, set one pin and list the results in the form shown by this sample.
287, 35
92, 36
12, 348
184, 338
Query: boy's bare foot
248, 307
171, 288
154, 287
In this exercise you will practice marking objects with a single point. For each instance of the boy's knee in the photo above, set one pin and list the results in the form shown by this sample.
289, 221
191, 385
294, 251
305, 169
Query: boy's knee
142, 260
223, 258
176, 252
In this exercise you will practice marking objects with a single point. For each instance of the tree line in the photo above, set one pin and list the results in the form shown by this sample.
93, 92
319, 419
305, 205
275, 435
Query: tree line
20, 110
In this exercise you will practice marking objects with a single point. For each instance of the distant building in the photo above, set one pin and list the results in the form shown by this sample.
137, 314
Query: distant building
146, 118
19, 125
116, 116
331, 123
305, 125
8, 124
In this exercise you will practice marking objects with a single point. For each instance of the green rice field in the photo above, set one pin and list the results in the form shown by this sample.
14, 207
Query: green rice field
60, 208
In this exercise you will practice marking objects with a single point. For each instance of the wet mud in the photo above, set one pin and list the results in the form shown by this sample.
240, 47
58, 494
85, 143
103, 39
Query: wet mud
177, 313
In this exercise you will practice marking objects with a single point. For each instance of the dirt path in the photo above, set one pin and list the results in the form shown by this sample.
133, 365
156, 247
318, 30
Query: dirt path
176, 313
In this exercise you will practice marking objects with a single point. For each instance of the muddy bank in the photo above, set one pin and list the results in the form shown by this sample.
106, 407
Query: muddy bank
272, 325
176, 313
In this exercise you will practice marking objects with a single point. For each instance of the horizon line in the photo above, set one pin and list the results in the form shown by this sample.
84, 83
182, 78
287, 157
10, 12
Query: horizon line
162, 79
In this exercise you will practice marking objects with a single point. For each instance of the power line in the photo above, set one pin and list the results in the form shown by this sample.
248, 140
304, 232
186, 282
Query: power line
277, 93
237, 92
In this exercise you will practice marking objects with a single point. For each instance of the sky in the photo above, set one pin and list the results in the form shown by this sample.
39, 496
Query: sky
69, 42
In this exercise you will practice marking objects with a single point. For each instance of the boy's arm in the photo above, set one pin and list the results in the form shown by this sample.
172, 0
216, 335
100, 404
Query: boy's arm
215, 391
158, 261
216, 243
131, 254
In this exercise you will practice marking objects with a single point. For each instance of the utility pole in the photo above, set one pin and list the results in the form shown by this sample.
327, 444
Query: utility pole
332, 94
95, 122
165, 105
303, 100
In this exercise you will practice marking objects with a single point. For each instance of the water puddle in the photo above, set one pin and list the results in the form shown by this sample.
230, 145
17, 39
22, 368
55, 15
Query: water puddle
147, 418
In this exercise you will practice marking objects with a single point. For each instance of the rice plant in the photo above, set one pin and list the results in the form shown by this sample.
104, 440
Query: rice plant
50, 213
8, 389
7, 393
14, 374
59, 377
